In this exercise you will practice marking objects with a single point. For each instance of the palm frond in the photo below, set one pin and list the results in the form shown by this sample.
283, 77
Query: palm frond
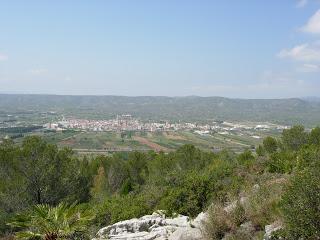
62, 220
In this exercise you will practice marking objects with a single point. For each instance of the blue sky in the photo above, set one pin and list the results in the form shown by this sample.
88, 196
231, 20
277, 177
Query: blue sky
246, 49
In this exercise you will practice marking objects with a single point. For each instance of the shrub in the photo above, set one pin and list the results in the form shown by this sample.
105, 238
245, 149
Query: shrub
239, 235
260, 151
246, 158
189, 197
281, 162
300, 205
308, 156
294, 138
262, 205
119, 208
46, 222
218, 223
270, 145
314, 137
222, 224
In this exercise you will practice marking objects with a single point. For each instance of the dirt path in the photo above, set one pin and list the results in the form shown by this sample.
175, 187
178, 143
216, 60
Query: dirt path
150, 144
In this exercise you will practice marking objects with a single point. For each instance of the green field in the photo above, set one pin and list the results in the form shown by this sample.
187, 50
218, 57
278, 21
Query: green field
108, 142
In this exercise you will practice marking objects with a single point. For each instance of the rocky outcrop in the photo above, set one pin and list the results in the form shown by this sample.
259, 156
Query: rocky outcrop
159, 227
156, 226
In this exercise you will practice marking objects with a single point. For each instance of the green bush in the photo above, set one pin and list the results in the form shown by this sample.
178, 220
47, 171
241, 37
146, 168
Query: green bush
281, 162
301, 203
308, 156
189, 197
270, 145
246, 158
314, 137
262, 205
119, 208
294, 138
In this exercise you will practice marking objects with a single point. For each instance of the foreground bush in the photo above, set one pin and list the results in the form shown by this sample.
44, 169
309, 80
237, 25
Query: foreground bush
189, 196
45, 222
119, 208
262, 204
224, 224
301, 205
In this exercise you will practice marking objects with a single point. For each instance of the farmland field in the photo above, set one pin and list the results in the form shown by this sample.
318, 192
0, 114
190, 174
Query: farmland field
108, 142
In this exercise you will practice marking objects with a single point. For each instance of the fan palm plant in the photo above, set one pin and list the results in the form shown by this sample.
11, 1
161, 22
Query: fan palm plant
51, 223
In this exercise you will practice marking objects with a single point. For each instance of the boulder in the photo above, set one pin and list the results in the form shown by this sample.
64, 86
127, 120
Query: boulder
187, 233
155, 226
199, 220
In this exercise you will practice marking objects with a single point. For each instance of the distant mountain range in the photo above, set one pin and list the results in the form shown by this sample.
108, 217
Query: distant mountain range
193, 108
312, 99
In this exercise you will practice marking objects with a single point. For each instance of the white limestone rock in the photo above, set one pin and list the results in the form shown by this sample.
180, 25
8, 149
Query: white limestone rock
154, 227
199, 220
186, 233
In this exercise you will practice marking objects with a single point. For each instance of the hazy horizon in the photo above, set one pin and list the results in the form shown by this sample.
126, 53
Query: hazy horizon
161, 48
164, 96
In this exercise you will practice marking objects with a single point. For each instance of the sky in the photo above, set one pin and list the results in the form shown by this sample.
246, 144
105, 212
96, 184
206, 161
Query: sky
238, 49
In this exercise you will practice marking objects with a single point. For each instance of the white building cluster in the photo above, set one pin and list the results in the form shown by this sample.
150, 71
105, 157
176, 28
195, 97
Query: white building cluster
128, 123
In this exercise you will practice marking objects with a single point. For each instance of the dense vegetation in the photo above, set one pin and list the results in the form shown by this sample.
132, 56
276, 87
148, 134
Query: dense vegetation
280, 183
285, 111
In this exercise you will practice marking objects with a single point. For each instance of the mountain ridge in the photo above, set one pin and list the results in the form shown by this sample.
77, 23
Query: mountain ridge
189, 108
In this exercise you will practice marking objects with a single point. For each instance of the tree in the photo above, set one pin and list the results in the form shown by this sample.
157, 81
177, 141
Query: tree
49, 174
314, 137
98, 190
270, 144
137, 166
42, 172
189, 157
294, 138
116, 172
52, 223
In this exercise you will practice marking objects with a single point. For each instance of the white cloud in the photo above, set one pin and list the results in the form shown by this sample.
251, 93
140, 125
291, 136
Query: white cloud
301, 3
309, 68
304, 52
313, 24
38, 71
3, 57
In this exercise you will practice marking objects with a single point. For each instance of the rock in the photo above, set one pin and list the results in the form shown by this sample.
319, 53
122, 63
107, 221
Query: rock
155, 226
199, 220
269, 229
247, 227
133, 236
187, 233
180, 221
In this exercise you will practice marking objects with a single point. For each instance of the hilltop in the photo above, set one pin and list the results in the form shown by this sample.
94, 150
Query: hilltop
193, 108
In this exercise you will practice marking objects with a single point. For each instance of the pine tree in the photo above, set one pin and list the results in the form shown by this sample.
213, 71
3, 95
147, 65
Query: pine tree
99, 188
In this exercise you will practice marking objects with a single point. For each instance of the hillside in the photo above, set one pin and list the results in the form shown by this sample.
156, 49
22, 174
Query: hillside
50, 193
193, 108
